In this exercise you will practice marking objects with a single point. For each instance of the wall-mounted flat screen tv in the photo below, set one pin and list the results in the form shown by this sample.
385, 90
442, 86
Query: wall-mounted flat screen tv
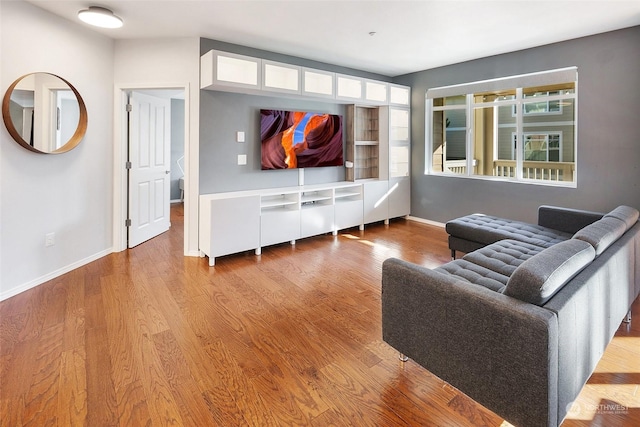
298, 139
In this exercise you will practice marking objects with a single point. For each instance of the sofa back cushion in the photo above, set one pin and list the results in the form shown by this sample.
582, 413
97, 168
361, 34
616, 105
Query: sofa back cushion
626, 214
539, 278
602, 233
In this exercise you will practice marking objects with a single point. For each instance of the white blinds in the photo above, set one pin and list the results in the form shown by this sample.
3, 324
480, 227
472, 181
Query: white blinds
542, 78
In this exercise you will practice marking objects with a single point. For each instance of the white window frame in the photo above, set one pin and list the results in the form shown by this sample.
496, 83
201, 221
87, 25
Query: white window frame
540, 113
547, 135
564, 75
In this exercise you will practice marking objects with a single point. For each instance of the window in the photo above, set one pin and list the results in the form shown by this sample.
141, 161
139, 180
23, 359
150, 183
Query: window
542, 107
520, 128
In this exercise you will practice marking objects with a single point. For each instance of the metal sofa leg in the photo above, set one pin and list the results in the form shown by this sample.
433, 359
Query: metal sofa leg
453, 254
403, 358
627, 318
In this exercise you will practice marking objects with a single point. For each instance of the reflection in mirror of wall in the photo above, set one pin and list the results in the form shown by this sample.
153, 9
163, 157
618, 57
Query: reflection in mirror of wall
44, 113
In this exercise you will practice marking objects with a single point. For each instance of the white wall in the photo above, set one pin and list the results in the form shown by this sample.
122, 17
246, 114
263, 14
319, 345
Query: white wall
162, 63
68, 194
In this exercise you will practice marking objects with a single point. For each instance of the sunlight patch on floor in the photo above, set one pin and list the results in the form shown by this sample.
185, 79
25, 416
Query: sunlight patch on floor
604, 399
378, 249
630, 364
611, 399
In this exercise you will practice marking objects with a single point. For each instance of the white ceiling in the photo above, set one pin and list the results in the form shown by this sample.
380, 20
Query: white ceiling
409, 35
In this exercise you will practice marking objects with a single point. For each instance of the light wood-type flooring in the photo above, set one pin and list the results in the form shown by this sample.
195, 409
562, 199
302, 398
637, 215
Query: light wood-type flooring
148, 337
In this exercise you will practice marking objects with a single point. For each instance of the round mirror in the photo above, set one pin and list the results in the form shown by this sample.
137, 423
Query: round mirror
44, 113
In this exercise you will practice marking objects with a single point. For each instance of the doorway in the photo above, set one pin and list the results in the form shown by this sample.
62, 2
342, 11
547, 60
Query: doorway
153, 129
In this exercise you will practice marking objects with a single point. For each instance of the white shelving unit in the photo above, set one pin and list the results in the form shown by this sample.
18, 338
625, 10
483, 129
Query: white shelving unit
367, 142
244, 220
377, 152
378, 144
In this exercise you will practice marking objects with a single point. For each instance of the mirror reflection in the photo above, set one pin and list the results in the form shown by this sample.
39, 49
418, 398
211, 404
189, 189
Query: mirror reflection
44, 113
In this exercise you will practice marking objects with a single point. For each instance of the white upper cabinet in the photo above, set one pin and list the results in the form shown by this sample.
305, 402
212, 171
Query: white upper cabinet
375, 92
349, 87
222, 69
318, 83
280, 77
399, 95
245, 74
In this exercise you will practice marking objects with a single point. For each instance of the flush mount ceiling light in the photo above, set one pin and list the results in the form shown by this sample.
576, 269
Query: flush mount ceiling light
100, 17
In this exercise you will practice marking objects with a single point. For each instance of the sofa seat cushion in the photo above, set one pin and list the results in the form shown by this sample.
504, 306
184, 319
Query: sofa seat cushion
475, 274
504, 256
489, 229
537, 279
602, 233
626, 214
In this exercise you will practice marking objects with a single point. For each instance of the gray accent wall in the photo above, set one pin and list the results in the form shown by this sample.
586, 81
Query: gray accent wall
608, 156
222, 114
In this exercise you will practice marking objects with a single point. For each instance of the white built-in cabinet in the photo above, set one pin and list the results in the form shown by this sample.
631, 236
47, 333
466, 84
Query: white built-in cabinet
249, 220
378, 149
231, 72
229, 224
377, 154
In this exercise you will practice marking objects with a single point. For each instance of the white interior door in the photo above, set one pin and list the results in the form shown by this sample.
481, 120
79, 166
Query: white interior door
150, 157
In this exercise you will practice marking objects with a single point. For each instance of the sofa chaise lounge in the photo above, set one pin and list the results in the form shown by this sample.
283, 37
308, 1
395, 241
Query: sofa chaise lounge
520, 322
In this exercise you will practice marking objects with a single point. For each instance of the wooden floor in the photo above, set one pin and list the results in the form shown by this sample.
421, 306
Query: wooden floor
291, 337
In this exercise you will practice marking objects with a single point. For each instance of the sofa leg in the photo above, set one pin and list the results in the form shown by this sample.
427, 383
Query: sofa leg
627, 318
403, 358
453, 254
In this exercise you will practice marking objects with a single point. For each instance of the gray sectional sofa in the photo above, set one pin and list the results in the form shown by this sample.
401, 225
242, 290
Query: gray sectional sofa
520, 322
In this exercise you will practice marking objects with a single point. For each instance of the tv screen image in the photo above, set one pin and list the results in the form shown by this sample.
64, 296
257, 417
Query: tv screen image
298, 139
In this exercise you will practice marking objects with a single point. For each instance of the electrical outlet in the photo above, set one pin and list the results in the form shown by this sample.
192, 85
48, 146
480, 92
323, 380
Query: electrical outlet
50, 239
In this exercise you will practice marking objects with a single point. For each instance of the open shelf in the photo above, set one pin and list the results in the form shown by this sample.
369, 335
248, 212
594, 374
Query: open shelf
311, 199
279, 202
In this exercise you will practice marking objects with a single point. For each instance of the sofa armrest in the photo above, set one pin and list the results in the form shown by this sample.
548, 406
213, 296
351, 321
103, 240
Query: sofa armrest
566, 219
500, 351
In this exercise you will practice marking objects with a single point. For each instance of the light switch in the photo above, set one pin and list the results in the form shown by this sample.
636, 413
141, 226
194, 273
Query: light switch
242, 159
240, 136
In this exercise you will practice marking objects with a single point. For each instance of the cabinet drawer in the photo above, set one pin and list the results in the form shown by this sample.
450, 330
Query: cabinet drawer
278, 227
316, 219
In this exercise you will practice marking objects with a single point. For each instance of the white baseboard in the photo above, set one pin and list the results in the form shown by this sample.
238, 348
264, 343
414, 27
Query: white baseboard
59, 272
426, 221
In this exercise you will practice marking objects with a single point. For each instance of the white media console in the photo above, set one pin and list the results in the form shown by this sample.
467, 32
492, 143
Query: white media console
249, 220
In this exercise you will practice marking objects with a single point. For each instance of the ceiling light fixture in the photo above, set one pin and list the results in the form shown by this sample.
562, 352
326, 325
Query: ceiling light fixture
100, 17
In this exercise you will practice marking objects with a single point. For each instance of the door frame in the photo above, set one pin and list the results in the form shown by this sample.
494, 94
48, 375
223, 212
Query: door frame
120, 147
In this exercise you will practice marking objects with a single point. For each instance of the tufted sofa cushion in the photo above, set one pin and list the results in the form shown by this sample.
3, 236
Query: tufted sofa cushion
504, 256
537, 279
474, 274
626, 214
602, 233
489, 229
